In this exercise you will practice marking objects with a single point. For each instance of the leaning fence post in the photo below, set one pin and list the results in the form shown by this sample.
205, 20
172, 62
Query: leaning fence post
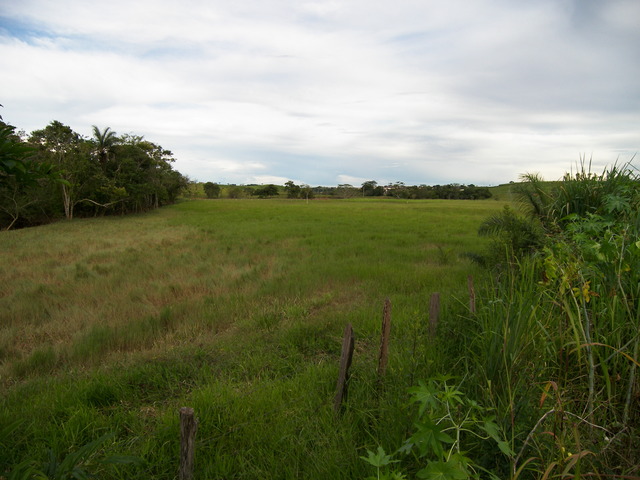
434, 314
384, 339
345, 363
472, 294
188, 427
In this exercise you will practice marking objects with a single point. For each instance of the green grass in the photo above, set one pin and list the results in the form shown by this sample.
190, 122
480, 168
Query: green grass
233, 307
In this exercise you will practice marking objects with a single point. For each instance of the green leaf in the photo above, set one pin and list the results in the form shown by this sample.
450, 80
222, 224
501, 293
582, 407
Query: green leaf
505, 448
429, 438
379, 459
122, 460
491, 428
443, 471
425, 395
451, 395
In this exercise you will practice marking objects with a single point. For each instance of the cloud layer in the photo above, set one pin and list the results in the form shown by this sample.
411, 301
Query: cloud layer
327, 92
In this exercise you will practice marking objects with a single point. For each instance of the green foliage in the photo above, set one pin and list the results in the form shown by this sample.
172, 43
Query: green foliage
452, 191
83, 463
556, 343
513, 237
447, 426
57, 172
293, 190
20, 177
609, 194
266, 191
212, 190
236, 192
372, 189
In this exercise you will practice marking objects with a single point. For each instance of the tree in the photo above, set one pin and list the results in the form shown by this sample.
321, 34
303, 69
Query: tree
368, 187
266, 191
236, 191
344, 190
212, 190
59, 144
398, 190
20, 176
16, 158
293, 190
371, 188
306, 192
104, 142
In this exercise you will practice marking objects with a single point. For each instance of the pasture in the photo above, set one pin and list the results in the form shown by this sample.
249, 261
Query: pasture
235, 308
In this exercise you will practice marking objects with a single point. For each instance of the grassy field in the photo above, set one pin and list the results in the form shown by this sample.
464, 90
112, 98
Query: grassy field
233, 307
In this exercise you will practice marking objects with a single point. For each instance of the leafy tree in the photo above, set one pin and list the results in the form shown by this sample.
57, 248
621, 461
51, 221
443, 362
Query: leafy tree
369, 188
306, 192
104, 142
106, 174
398, 190
346, 190
212, 190
293, 190
266, 191
236, 192
59, 144
21, 177
16, 158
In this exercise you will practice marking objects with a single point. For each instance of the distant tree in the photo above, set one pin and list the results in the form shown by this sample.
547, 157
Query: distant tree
346, 190
212, 190
306, 192
293, 190
371, 188
236, 191
368, 187
397, 190
266, 191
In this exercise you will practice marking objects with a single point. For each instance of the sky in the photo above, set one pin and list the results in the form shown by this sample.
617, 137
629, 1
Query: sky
326, 92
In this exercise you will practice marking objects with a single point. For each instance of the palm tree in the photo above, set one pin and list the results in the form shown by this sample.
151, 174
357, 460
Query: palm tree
105, 141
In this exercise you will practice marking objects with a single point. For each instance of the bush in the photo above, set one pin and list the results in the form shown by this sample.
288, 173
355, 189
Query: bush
212, 190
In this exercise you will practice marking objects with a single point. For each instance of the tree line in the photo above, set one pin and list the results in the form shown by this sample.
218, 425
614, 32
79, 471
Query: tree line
370, 188
57, 173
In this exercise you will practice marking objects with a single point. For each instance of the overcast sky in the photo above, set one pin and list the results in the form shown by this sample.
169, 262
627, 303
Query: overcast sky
330, 92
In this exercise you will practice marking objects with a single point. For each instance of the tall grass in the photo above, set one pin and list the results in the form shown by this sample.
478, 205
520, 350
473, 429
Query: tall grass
564, 331
551, 353
235, 307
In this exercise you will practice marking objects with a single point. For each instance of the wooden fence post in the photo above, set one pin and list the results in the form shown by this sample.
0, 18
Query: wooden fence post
345, 363
472, 294
384, 339
434, 314
188, 427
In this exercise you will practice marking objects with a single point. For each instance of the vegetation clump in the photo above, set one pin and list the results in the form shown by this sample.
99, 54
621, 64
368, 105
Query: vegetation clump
55, 172
552, 350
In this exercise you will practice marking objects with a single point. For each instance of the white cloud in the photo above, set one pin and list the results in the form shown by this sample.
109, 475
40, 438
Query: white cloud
323, 91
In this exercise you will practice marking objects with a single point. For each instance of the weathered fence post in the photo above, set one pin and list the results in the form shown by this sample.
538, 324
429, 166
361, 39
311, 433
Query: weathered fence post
434, 314
345, 363
384, 338
188, 427
472, 294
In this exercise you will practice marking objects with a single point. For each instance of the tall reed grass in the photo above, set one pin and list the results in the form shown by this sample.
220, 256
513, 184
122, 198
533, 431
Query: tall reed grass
564, 328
